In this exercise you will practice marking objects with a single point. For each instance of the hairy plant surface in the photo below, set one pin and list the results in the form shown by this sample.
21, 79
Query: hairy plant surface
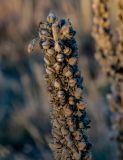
65, 85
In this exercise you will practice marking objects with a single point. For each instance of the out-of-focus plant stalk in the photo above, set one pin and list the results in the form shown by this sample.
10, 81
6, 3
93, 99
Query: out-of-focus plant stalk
65, 86
110, 57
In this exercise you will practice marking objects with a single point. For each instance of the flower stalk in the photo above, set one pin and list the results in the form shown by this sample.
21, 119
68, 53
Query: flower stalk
65, 86
110, 57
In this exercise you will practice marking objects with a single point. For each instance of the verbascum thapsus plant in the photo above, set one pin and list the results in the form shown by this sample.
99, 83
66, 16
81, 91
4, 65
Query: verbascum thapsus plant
65, 86
109, 54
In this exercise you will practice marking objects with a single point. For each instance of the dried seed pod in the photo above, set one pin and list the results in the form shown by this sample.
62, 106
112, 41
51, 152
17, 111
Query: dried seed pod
67, 71
51, 18
60, 57
46, 60
57, 83
50, 52
55, 146
67, 51
32, 45
44, 33
72, 61
57, 67
49, 70
56, 124
65, 30
78, 93
72, 82
72, 128
71, 100
62, 101
81, 105
70, 144
67, 112
78, 136
77, 156
61, 94
65, 154
57, 46
64, 131
46, 45
81, 146
69, 121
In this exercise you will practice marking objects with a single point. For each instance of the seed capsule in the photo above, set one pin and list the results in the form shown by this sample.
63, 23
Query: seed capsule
43, 33
67, 112
71, 100
49, 70
51, 18
81, 105
57, 67
64, 131
46, 60
81, 146
50, 52
62, 101
67, 51
60, 94
69, 121
67, 71
46, 45
70, 144
57, 83
76, 155
65, 30
72, 128
77, 135
72, 61
78, 93
56, 124
55, 146
57, 47
32, 45
60, 57
72, 82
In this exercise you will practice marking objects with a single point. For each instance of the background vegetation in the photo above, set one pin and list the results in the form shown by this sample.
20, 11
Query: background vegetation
24, 109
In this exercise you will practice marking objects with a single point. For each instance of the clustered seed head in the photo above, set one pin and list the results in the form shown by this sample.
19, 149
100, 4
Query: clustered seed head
64, 82
110, 57
102, 35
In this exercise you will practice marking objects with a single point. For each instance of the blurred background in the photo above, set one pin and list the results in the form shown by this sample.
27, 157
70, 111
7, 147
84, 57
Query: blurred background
24, 108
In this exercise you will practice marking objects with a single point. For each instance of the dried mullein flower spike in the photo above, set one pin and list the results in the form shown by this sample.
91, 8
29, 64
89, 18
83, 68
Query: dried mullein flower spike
109, 54
64, 85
